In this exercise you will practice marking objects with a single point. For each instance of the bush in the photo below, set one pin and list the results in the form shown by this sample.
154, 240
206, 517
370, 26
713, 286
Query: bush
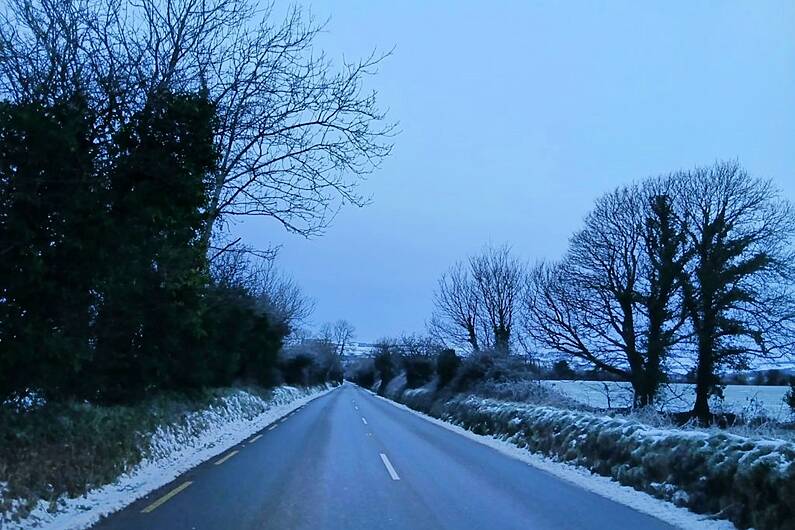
296, 369
69, 448
447, 364
488, 366
789, 398
363, 373
419, 370
385, 363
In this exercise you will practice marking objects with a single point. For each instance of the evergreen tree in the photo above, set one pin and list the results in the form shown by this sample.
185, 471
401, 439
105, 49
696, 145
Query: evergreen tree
52, 207
150, 321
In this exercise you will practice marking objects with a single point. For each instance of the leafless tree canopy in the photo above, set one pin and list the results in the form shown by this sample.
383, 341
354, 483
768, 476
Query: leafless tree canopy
499, 278
475, 302
456, 315
296, 134
276, 293
339, 334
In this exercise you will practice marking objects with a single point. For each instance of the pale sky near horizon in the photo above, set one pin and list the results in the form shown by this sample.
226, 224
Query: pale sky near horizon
515, 116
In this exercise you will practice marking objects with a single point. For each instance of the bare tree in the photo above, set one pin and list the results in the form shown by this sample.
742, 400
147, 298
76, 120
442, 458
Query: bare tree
739, 290
457, 304
475, 301
282, 297
295, 134
339, 334
499, 279
557, 314
611, 301
277, 294
419, 345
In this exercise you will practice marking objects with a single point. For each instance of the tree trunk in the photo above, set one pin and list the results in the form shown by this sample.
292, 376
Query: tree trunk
473, 339
704, 382
644, 388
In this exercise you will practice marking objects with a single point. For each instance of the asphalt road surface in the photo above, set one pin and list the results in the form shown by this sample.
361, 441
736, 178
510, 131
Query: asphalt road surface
349, 461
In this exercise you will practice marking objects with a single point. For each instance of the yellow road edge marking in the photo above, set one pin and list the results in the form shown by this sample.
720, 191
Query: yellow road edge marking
165, 498
257, 437
227, 457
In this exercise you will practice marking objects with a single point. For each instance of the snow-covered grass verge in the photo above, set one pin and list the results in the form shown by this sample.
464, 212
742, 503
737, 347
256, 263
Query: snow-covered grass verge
167, 451
748, 481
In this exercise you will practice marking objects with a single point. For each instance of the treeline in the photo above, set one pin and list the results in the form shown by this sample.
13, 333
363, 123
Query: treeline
419, 359
691, 271
131, 134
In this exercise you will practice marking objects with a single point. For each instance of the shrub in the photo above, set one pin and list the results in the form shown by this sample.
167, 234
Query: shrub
385, 363
789, 398
472, 371
362, 373
419, 370
447, 364
295, 369
488, 366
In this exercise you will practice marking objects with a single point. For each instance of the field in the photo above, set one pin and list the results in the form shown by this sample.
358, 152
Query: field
748, 400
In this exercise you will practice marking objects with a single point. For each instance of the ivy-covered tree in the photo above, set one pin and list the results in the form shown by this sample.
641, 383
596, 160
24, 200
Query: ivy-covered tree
738, 294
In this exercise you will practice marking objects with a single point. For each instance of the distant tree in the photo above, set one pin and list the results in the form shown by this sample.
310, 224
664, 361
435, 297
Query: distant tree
776, 378
500, 280
475, 302
457, 308
789, 397
738, 293
339, 335
419, 345
562, 370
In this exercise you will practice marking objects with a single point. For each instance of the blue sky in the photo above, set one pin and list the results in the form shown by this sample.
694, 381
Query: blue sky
515, 116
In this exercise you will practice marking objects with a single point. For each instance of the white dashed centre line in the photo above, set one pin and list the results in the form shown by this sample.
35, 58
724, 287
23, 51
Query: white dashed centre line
364, 421
227, 457
389, 468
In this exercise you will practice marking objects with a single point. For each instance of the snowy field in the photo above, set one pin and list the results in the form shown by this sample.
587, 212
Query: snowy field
748, 400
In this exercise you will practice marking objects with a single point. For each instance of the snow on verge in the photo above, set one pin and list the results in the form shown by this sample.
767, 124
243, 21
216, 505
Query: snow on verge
174, 450
603, 486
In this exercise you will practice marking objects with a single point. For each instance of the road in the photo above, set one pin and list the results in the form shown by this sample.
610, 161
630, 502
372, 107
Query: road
349, 460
